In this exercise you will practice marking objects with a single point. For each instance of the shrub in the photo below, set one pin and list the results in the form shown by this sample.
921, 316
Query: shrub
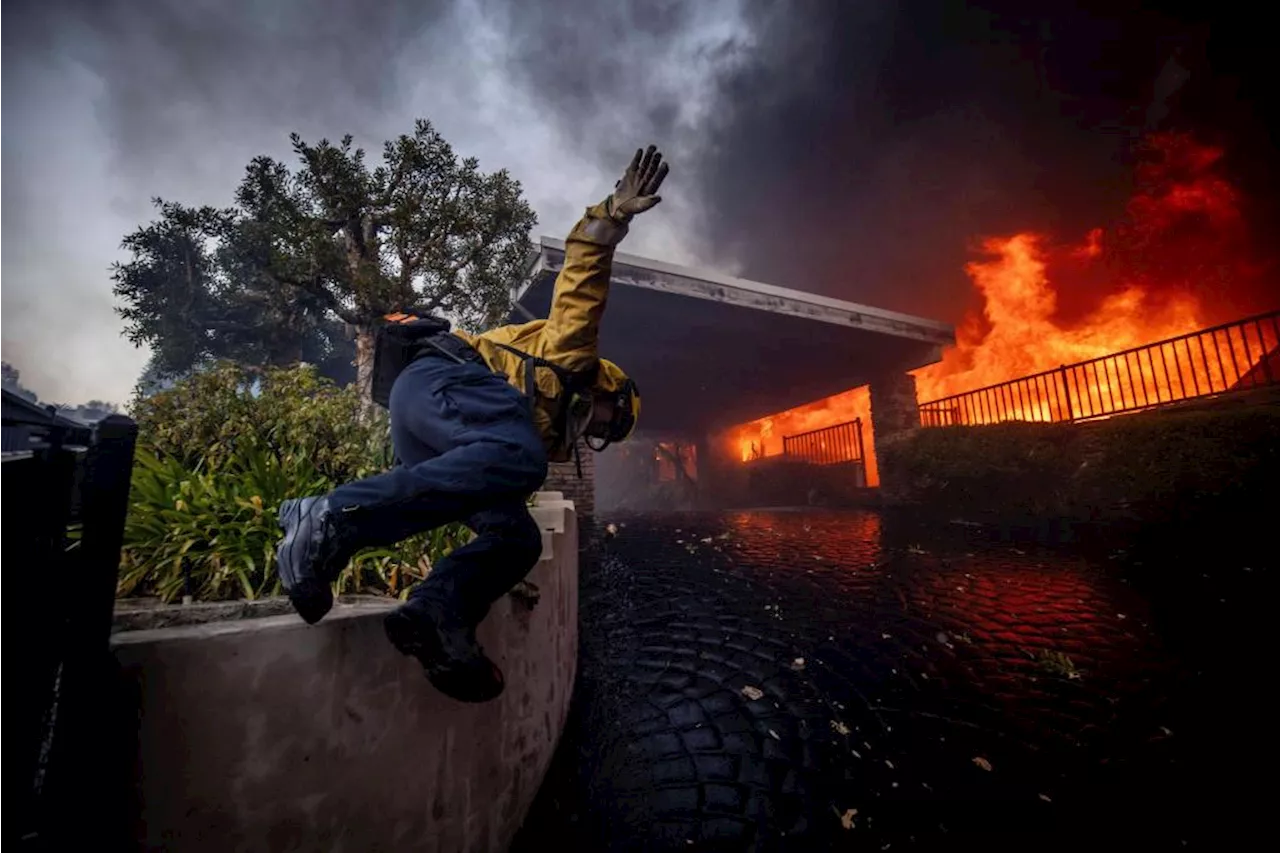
215, 416
217, 454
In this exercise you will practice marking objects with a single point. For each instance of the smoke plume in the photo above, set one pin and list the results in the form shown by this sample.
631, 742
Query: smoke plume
856, 149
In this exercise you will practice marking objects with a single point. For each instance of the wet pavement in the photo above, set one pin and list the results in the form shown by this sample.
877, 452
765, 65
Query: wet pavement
816, 680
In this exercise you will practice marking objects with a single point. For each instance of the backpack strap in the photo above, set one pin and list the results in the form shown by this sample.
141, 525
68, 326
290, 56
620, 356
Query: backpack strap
573, 381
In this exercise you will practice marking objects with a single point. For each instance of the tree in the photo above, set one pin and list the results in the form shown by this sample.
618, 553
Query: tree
333, 244
188, 293
13, 383
94, 410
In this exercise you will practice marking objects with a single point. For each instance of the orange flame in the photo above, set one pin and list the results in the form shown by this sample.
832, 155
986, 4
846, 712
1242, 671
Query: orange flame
1181, 237
763, 437
1022, 335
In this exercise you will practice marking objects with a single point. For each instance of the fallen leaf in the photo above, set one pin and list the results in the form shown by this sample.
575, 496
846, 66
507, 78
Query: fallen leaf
774, 735
982, 762
856, 754
846, 819
1045, 797
797, 664
1167, 732
839, 727
706, 541
889, 764
752, 693
611, 529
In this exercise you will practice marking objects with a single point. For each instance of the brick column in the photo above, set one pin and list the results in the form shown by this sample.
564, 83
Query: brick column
563, 477
894, 412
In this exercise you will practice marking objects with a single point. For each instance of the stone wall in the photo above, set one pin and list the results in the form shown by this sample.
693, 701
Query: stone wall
563, 477
267, 734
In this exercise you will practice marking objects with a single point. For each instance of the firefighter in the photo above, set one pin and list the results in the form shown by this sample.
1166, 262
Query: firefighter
474, 421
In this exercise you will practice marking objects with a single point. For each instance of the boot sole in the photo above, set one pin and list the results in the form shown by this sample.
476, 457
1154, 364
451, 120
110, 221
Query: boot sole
462, 684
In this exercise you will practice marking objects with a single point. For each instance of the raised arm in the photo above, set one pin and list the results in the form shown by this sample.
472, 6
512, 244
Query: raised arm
572, 330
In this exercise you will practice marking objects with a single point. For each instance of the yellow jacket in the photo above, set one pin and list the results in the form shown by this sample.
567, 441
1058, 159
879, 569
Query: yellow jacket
568, 337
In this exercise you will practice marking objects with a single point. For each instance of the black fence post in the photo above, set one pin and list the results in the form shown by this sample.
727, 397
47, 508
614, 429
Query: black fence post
104, 505
1062, 375
81, 740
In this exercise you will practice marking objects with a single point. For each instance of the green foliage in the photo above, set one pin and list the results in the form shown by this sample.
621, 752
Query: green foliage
273, 279
1217, 462
218, 415
217, 454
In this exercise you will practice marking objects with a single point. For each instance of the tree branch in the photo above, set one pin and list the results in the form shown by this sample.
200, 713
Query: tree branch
316, 289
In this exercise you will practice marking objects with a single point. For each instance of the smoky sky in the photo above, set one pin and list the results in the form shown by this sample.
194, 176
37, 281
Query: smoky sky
856, 149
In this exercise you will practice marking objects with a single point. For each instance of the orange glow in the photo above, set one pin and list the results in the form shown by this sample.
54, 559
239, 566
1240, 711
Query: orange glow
1045, 304
1021, 334
1182, 220
764, 437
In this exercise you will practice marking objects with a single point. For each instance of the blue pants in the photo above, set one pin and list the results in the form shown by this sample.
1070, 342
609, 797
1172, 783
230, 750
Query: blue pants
468, 451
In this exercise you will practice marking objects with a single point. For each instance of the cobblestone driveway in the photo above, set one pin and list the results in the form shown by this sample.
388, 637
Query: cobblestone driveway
809, 680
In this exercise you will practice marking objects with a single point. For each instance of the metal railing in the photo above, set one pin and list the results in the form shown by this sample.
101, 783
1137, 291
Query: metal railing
1224, 359
63, 529
827, 446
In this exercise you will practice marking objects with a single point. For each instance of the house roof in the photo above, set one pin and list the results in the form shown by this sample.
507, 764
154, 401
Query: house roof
709, 350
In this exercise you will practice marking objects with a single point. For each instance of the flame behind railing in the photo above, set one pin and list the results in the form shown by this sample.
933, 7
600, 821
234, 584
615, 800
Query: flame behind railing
1224, 359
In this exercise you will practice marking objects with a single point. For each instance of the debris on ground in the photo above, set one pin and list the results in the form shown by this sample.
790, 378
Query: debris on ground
774, 735
752, 693
526, 592
839, 728
846, 819
982, 762
1057, 663
797, 664
611, 529
1045, 797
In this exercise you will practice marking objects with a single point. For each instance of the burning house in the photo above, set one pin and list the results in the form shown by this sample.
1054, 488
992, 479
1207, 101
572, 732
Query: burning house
711, 351
756, 394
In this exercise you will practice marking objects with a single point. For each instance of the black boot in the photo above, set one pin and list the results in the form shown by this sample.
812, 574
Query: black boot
311, 555
446, 647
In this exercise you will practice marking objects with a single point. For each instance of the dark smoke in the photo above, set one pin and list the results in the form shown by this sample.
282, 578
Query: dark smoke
886, 143
858, 149
850, 148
